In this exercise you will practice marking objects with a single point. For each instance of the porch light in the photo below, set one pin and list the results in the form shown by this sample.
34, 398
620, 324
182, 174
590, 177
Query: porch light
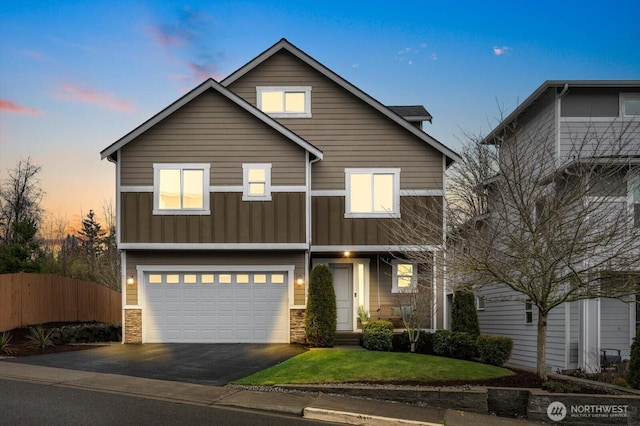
347, 253
299, 282
130, 280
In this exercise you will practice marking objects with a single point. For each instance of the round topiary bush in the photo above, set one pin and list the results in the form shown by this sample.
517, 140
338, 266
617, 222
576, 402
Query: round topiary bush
494, 350
321, 315
378, 336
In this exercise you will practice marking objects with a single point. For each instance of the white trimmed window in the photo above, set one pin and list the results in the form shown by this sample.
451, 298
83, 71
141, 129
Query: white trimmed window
285, 102
480, 303
528, 312
404, 275
181, 189
629, 105
372, 193
256, 182
635, 200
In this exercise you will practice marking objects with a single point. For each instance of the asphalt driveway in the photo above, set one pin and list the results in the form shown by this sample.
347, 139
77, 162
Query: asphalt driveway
205, 364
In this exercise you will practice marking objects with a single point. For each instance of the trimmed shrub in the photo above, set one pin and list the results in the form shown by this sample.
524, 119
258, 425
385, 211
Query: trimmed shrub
321, 315
424, 345
494, 350
442, 342
377, 336
633, 376
464, 316
463, 345
454, 344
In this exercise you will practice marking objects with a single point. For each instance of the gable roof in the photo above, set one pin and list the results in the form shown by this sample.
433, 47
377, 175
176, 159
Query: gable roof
203, 87
284, 44
411, 113
561, 85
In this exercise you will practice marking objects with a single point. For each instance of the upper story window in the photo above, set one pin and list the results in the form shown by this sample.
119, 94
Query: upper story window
480, 303
181, 188
404, 276
372, 193
528, 312
285, 102
635, 200
630, 104
256, 182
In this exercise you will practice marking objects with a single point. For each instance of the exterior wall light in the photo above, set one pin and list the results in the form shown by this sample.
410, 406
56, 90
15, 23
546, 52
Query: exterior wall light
299, 282
347, 253
130, 280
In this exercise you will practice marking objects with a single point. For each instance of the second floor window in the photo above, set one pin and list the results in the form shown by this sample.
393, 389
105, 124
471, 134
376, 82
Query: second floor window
372, 193
256, 182
284, 102
629, 104
181, 188
635, 199
528, 312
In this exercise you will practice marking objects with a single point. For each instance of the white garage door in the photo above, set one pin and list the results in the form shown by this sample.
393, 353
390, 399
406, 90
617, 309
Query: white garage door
216, 307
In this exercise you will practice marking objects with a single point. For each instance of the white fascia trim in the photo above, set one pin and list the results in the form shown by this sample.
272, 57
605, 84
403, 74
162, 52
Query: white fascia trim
588, 119
374, 248
213, 246
219, 188
422, 192
118, 204
328, 193
125, 307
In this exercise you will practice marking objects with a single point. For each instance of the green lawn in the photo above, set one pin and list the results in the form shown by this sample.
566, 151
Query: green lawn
344, 365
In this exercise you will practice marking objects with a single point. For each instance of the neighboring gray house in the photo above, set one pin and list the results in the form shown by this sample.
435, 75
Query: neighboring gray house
573, 113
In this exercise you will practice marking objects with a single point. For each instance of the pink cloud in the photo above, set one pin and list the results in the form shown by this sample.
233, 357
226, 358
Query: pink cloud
166, 37
199, 73
71, 92
9, 106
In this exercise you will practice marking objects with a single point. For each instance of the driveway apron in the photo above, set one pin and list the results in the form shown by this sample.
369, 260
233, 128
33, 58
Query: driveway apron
205, 364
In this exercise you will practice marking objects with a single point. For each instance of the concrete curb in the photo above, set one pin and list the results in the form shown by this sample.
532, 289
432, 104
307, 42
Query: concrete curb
358, 418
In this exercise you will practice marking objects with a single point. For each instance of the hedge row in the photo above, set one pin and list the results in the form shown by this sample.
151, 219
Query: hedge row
494, 350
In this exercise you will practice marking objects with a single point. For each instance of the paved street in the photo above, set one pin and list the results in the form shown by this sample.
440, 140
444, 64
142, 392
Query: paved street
23, 403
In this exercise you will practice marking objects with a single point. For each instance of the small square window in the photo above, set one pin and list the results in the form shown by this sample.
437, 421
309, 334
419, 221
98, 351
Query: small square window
277, 279
256, 182
285, 102
190, 279
206, 279
173, 279
259, 279
404, 276
224, 279
242, 279
155, 279
630, 104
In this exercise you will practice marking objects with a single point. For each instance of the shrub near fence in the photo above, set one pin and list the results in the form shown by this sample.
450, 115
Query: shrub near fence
27, 299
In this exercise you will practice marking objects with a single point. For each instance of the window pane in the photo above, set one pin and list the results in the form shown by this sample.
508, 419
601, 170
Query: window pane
277, 279
259, 279
193, 196
272, 101
257, 175
224, 279
405, 269
206, 279
631, 107
360, 195
173, 279
294, 102
256, 189
404, 282
190, 279
242, 279
169, 189
383, 193
155, 279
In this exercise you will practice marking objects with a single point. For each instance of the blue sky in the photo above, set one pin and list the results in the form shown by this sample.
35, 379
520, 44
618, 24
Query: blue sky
77, 75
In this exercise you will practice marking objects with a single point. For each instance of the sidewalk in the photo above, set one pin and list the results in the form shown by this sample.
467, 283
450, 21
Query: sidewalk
339, 409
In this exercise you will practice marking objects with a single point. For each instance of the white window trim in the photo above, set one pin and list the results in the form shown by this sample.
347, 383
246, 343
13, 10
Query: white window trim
480, 303
394, 277
267, 182
395, 213
206, 168
307, 100
632, 182
624, 97
527, 310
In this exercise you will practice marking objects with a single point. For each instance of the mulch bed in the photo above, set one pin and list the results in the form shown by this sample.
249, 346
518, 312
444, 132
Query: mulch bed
21, 346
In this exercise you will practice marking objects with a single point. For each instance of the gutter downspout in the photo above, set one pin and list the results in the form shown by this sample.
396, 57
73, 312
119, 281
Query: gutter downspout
558, 115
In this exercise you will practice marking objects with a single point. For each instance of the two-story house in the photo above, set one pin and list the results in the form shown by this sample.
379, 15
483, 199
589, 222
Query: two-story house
229, 196
581, 138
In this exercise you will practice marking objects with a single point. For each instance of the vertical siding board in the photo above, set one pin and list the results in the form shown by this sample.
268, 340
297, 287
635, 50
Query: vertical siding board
269, 221
257, 221
143, 219
295, 215
281, 219
244, 221
219, 231
335, 204
230, 218
181, 229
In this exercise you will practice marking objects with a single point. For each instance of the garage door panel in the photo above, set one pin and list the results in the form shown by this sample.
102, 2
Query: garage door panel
216, 307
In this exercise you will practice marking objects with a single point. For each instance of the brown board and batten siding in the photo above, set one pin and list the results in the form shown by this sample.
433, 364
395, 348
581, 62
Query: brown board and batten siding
212, 129
330, 227
209, 258
350, 132
281, 220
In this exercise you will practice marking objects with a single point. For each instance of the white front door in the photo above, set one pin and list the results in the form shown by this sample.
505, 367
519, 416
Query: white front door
343, 286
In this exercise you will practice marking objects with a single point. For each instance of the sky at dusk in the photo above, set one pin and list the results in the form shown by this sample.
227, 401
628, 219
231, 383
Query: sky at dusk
75, 76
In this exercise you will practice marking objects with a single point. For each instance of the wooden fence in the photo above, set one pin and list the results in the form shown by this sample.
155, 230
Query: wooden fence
27, 299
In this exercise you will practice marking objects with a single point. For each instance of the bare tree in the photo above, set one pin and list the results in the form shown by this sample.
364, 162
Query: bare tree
556, 230
20, 197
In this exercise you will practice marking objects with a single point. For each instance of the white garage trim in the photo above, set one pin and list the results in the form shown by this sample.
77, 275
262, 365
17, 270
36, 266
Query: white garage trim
181, 271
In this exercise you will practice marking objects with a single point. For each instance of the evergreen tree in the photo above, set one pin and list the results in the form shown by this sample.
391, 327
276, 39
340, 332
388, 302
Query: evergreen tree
321, 315
91, 244
24, 253
463, 313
